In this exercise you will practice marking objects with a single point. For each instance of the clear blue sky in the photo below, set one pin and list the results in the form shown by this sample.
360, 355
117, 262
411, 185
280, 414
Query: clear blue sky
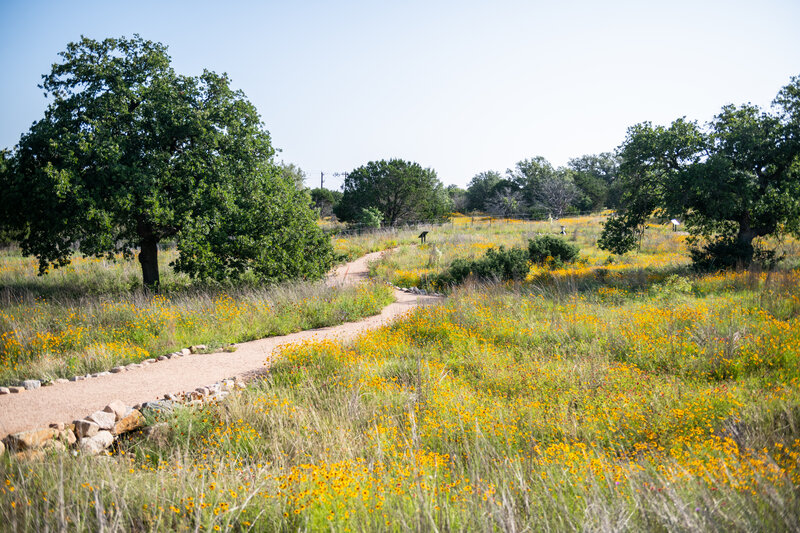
460, 86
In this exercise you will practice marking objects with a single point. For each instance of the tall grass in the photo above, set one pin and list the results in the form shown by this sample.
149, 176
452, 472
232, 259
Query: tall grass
84, 319
661, 405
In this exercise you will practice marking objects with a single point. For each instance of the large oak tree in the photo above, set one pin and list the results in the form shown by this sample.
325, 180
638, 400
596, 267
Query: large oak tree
130, 154
402, 191
734, 181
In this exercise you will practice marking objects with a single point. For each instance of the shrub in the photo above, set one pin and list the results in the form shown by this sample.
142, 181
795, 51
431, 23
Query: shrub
501, 264
370, 217
497, 264
546, 249
726, 252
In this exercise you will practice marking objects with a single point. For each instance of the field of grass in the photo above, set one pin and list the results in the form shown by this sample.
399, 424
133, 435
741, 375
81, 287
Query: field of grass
92, 315
617, 394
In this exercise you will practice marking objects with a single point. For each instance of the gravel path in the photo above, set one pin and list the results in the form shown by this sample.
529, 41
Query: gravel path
64, 402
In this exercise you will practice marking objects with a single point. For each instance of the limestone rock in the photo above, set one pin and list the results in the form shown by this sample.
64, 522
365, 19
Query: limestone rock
16, 390
58, 426
158, 405
162, 357
118, 408
61, 380
2, 448
29, 455
86, 428
79, 378
103, 419
197, 348
54, 445
67, 436
133, 421
31, 384
117, 369
30, 440
4, 390
96, 443
186, 351
194, 396
149, 361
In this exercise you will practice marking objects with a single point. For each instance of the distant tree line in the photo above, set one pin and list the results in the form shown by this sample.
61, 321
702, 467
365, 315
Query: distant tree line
535, 188
396, 191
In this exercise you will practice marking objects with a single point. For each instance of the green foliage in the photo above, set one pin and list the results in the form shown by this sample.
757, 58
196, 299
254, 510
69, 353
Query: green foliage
458, 198
593, 192
556, 193
537, 189
596, 177
737, 180
325, 200
724, 253
621, 232
673, 285
546, 248
370, 217
293, 174
481, 188
130, 154
498, 264
266, 228
528, 176
509, 264
403, 192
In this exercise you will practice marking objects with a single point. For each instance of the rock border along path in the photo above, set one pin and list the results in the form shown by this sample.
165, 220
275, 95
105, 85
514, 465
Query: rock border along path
60, 402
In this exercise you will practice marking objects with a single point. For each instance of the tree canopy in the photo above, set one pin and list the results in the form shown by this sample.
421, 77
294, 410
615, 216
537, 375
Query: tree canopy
130, 154
325, 200
481, 188
596, 177
402, 191
733, 181
534, 188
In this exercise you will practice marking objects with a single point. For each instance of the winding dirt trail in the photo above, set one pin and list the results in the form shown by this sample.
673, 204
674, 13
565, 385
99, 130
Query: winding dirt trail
64, 402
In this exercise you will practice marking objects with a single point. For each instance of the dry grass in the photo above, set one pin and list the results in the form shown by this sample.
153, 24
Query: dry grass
638, 399
81, 320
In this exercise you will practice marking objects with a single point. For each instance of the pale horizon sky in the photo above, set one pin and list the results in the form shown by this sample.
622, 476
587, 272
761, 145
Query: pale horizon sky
460, 87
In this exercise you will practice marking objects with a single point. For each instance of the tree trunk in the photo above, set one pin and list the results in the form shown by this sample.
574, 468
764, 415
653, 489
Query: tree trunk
148, 257
744, 242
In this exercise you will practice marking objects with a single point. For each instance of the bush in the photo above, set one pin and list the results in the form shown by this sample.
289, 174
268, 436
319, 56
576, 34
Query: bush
500, 264
497, 264
547, 249
725, 253
370, 217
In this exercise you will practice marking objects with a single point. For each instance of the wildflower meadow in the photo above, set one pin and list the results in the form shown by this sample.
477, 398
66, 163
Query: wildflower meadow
614, 393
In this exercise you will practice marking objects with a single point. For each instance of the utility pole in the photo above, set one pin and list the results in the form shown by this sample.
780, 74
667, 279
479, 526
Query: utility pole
321, 179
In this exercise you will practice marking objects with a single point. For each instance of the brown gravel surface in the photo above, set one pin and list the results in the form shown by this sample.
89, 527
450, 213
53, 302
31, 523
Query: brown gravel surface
65, 402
